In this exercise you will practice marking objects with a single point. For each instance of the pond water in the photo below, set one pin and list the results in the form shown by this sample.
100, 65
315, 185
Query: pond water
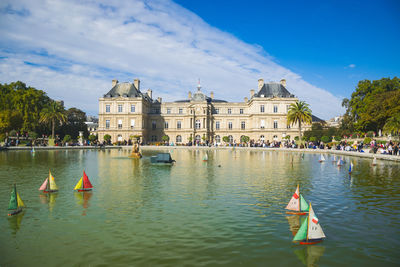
226, 211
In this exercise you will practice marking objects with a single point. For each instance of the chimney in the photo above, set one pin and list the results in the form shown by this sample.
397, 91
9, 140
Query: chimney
159, 99
150, 93
190, 95
251, 93
136, 83
212, 95
283, 82
114, 82
260, 83
246, 99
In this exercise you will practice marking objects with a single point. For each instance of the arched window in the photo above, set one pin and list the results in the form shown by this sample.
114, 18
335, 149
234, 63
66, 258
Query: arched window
178, 139
230, 138
275, 137
218, 139
198, 138
119, 137
262, 137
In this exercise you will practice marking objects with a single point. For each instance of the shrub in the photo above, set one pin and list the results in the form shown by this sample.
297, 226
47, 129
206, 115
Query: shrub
92, 137
32, 135
67, 138
165, 138
13, 133
225, 139
313, 139
2, 137
370, 134
245, 139
326, 139
367, 140
296, 138
338, 138
107, 137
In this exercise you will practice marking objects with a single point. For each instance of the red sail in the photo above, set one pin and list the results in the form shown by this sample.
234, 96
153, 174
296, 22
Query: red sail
86, 182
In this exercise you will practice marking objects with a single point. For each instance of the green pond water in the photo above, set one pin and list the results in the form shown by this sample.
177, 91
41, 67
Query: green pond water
197, 213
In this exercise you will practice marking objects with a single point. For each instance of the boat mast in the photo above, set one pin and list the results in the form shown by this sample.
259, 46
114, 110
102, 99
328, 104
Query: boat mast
308, 220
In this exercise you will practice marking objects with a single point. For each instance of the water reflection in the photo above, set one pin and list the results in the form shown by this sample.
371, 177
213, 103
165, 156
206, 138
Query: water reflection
15, 222
49, 199
295, 222
309, 255
82, 199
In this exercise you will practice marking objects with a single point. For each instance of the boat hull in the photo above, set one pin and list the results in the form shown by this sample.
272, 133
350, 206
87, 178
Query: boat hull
296, 213
84, 189
49, 191
15, 212
310, 241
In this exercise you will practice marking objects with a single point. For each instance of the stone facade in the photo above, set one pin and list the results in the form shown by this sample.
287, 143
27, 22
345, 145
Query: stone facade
126, 111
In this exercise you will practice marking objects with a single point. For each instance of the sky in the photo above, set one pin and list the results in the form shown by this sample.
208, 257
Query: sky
73, 49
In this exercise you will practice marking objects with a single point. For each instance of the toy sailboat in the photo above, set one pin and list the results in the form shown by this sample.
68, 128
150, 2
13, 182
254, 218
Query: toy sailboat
297, 204
322, 158
351, 167
83, 184
374, 162
205, 158
16, 204
310, 231
49, 185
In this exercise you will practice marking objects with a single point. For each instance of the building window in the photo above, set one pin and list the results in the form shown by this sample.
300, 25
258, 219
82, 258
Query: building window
262, 108
132, 108
132, 123
179, 124
230, 125
275, 137
288, 126
262, 124
275, 124
119, 124
119, 138
178, 139
241, 111
153, 124
230, 139
119, 108
275, 109
217, 139
229, 111
217, 125
243, 125
217, 111
198, 124
198, 138
107, 124
107, 108
262, 138
168, 111
166, 125
180, 111
153, 138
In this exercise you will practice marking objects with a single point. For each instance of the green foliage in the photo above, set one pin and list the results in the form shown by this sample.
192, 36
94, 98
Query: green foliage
107, 137
299, 113
67, 138
10, 120
13, 133
75, 123
53, 114
338, 138
373, 103
225, 139
165, 138
370, 134
367, 140
32, 135
296, 138
2, 137
326, 139
244, 139
392, 125
92, 138
313, 138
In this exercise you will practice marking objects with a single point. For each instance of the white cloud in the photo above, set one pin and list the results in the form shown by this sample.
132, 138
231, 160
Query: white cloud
352, 66
73, 50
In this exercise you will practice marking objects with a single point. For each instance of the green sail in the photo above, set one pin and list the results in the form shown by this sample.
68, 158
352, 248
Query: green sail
302, 233
303, 204
13, 200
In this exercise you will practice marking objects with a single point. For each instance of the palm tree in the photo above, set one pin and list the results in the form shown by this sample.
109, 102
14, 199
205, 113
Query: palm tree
53, 113
392, 125
299, 112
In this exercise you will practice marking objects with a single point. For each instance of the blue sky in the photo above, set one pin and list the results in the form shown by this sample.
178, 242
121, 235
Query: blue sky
73, 49
331, 44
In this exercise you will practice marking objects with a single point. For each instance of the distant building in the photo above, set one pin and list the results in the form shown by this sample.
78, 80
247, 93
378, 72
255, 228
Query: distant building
126, 111
92, 124
334, 122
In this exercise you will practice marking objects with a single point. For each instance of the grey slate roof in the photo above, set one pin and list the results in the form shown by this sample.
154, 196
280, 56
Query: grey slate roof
199, 96
273, 90
124, 90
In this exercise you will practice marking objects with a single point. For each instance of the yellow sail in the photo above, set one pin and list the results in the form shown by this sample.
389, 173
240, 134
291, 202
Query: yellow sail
79, 184
20, 202
53, 185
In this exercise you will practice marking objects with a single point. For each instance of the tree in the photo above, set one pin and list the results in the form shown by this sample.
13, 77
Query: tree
299, 112
165, 138
392, 125
225, 139
75, 123
326, 139
107, 137
10, 120
92, 138
54, 113
244, 139
67, 138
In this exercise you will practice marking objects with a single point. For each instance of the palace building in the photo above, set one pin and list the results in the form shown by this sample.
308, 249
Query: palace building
126, 111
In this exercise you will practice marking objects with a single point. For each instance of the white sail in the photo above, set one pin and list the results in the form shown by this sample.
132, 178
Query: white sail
314, 229
294, 203
322, 158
